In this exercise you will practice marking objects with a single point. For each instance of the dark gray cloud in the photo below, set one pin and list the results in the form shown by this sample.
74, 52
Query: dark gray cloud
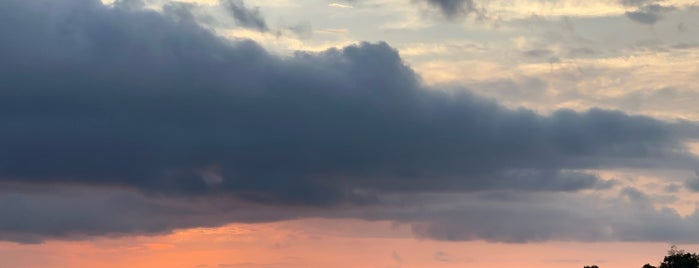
644, 16
685, 45
454, 8
190, 113
69, 212
37, 214
693, 183
672, 188
648, 14
34, 213
627, 217
115, 97
538, 52
130, 4
245, 16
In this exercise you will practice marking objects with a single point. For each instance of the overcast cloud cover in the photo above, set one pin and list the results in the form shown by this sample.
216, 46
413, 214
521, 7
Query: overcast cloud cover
119, 120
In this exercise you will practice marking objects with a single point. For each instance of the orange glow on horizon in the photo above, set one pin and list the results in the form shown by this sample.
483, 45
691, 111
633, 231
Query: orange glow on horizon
318, 243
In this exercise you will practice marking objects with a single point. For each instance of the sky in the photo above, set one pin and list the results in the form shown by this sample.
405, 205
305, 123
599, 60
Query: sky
355, 133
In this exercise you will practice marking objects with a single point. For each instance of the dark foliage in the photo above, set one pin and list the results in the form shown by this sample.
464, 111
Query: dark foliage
678, 258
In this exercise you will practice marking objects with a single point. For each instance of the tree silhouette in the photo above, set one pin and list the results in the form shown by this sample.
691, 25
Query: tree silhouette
593, 266
685, 260
678, 258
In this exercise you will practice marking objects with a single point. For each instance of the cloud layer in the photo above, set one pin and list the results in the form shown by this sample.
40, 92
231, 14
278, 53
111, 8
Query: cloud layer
115, 97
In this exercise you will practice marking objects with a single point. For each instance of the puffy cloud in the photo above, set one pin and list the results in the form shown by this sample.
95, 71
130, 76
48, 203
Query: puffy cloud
111, 97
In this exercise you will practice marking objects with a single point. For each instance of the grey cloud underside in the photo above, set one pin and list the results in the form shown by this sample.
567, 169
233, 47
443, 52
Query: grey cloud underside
61, 212
518, 219
453, 8
41, 212
645, 15
647, 12
103, 97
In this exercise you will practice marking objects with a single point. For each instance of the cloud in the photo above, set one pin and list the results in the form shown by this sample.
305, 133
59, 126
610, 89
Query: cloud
130, 4
538, 53
73, 212
63, 212
672, 188
338, 5
644, 16
648, 14
244, 16
454, 8
302, 30
544, 217
108, 97
637, 3
39, 213
693, 183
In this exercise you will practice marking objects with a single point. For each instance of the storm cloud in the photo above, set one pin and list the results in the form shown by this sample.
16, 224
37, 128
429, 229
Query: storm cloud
105, 97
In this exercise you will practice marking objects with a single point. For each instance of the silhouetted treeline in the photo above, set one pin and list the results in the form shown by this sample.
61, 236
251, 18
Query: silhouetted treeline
676, 258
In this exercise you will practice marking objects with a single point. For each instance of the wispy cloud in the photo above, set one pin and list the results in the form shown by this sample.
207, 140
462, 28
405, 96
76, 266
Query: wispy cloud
244, 16
338, 5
